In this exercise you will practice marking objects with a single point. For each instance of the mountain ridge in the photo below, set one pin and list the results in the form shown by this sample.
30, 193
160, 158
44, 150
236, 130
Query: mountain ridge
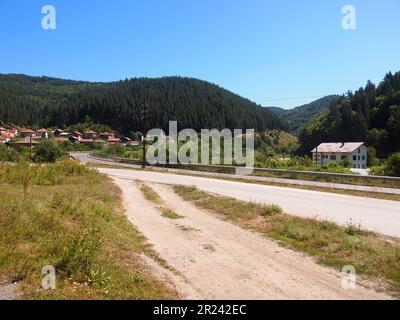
298, 117
197, 104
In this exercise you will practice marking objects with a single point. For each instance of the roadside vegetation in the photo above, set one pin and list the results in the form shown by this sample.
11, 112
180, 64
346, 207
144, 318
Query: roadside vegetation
329, 243
71, 217
128, 152
153, 196
47, 151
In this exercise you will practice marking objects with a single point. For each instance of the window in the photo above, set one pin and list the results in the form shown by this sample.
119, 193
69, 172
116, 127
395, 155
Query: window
359, 158
333, 157
359, 150
363, 157
354, 158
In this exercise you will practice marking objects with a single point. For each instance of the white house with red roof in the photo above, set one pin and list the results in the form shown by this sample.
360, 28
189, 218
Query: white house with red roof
42, 133
355, 152
24, 133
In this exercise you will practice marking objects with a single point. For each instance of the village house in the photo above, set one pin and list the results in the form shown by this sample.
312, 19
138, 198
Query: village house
25, 133
106, 135
76, 137
60, 135
6, 135
4, 139
109, 137
42, 133
89, 135
354, 152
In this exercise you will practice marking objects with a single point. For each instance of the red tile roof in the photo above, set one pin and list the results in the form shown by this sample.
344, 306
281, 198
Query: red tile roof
89, 132
42, 130
27, 142
8, 135
27, 131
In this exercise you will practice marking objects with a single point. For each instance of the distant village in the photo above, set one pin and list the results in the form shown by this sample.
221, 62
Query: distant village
30, 138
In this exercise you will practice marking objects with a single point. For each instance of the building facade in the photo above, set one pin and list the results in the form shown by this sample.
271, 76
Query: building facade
354, 152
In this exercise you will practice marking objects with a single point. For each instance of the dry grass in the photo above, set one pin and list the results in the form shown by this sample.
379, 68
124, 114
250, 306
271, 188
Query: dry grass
71, 218
331, 244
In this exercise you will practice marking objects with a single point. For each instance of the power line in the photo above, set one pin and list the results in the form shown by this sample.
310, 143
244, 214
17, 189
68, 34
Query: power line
295, 98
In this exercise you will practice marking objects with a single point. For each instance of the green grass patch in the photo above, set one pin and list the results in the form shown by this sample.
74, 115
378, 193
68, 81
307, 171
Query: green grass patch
331, 244
150, 194
168, 213
71, 217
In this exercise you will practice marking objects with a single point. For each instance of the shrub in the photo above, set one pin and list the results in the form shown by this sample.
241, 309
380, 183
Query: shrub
271, 209
372, 159
47, 151
8, 154
334, 167
392, 167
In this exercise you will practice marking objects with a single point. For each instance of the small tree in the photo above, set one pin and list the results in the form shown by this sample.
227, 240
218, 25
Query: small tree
372, 158
392, 167
47, 151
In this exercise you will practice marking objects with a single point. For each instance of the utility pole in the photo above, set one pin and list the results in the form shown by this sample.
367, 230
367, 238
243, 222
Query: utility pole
30, 146
144, 114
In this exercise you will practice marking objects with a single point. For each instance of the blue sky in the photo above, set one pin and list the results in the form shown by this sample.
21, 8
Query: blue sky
283, 53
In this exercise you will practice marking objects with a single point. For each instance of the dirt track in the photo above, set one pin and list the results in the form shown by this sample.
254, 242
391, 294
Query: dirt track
218, 260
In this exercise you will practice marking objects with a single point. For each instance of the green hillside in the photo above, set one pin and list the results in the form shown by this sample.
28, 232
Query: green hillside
370, 114
297, 117
44, 101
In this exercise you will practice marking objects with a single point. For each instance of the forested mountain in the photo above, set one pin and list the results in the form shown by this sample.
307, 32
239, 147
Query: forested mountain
297, 117
196, 104
277, 110
370, 114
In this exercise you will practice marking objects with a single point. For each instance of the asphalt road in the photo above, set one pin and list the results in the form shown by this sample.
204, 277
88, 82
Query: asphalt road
382, 216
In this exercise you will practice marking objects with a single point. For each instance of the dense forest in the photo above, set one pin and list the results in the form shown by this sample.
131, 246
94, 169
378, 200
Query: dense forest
297, 117
50, 102
370, 114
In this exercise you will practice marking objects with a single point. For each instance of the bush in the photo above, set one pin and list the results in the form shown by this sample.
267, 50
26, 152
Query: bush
345, 163
334, 167
271, 209
377, 170
372, 159
48, 151
392, 167
8, 154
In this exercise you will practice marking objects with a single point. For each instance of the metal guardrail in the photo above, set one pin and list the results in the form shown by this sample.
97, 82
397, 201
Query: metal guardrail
260, 171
